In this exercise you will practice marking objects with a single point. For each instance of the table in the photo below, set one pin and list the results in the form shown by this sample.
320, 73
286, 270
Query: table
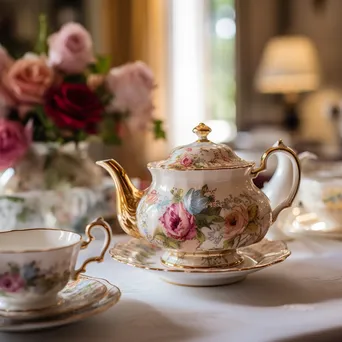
297, 300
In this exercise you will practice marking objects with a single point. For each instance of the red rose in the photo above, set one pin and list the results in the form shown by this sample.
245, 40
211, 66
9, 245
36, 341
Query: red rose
74, 106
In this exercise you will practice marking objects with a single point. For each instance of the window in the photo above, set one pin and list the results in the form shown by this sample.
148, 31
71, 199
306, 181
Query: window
202, 68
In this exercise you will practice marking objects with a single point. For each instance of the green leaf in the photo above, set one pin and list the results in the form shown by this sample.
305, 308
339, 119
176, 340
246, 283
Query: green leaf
161, 238
76, 78
109, 131
158, 130
158, 231
201, 221
200, 236
252, 211
41, 44
102, 65
177, 195
14, 268
104, 95
227, 244
211, 211
205, 189
12, 199
252, 227
172, 244
218, 219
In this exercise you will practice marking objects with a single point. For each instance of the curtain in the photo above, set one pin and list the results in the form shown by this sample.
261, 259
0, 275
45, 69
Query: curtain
131, 30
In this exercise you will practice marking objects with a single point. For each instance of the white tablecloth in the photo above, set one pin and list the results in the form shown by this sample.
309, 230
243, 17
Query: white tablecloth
297, 300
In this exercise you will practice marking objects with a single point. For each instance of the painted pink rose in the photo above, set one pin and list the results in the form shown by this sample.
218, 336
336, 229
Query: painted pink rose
235, 222
132, 85
186, 161
28, 79
11, 282
71, 49
15, 140
178, 223
152, 197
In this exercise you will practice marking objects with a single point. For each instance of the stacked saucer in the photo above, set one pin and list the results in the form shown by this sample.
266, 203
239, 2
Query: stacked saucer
80, 299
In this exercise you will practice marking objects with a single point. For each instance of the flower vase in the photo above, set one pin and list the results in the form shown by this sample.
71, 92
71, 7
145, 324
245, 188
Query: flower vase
53, 186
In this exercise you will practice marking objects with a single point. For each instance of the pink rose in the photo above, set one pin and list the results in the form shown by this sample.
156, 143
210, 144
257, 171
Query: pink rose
14, 142
236, 221
71, 49
11, 282
132, 85
178, 223
186, 161
28, 79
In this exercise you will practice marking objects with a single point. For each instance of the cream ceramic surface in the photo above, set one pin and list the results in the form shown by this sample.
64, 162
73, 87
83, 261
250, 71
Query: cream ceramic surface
35, 265
141, 254
203, 203
78, 308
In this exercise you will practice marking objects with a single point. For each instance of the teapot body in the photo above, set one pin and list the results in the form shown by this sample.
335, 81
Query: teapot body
207, 210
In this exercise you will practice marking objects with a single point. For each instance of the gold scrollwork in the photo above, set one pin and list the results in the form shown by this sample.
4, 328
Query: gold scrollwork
96, 223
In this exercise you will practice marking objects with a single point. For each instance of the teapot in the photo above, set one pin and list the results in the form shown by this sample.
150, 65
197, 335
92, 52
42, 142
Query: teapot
202, 204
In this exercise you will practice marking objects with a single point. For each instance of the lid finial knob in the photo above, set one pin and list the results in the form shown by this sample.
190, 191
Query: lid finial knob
202, 131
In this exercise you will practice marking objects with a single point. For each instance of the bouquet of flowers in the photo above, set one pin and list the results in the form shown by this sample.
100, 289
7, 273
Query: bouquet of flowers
63, 93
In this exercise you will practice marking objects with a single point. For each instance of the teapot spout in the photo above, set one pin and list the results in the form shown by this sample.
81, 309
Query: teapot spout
127, 196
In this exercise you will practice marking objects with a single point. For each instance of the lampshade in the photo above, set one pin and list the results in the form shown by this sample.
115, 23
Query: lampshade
289, 64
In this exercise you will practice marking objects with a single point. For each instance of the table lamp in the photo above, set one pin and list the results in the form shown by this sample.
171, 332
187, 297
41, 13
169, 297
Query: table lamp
289, 66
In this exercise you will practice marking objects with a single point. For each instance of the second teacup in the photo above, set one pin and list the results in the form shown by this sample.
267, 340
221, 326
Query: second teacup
36, 264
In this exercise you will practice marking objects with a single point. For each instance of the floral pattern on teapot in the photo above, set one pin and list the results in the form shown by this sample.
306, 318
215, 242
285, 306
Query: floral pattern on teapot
195, 157
198, 216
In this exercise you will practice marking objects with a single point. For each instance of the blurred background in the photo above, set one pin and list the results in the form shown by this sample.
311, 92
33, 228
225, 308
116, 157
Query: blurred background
254, 71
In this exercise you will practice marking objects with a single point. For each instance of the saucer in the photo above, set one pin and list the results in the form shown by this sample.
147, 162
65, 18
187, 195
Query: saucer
140, 254
75, 296
81, 299
302, 223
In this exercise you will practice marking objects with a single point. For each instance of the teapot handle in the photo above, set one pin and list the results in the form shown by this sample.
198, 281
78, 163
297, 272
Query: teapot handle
282, 148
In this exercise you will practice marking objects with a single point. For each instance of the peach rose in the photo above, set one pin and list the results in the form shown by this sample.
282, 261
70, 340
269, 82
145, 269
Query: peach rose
71, 49
28, 79
235, 221
132, 85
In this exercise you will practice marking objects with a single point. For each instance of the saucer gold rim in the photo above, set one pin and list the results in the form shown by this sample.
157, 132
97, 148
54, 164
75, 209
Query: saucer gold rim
112, 297
280, 259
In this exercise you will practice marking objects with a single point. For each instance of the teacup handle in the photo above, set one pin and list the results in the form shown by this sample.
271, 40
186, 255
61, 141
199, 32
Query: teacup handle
103, 224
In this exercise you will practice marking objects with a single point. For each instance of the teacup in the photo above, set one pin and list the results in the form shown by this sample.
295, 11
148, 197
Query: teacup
321, 191
36, 264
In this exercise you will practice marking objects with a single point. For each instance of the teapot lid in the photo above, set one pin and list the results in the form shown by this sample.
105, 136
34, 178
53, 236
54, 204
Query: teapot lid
202, 154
